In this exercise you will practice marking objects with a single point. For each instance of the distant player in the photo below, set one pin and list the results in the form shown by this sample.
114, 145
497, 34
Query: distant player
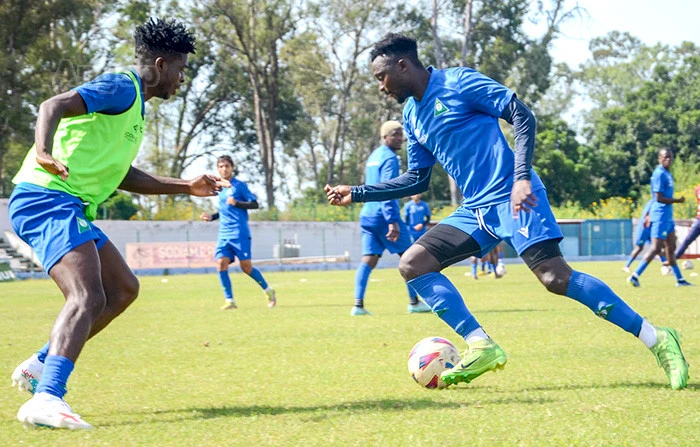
452, 116
381, 224
663, 233
642, 236
694, 231
85, 142
234, 239
416, 213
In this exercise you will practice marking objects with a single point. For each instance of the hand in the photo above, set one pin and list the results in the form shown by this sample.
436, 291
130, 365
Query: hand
52, 165
205, 217
418, 227
521, 197
231, 201
338, 195
681, 199
394, 232
206, 185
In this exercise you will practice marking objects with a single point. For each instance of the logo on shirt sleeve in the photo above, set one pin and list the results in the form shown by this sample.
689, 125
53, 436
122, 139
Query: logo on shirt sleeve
440, 108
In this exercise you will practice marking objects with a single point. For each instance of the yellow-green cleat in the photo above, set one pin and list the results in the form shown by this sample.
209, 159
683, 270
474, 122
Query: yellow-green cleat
669, 356
481, 357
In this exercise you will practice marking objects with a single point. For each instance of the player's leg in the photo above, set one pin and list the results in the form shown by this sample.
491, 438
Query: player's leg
654, 249
693, 234
78, 276
670, 248
635, 252
243, 252
364, 269
546, 262
223, 260
421, 265
540, 250
399, 246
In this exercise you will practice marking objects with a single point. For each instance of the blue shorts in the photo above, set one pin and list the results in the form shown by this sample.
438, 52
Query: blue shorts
643, 235
489, 225
374, 240
234, 248
51, 222
661, 229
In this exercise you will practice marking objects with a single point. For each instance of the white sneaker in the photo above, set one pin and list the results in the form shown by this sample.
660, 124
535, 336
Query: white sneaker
26, 376
271, 298
46, 410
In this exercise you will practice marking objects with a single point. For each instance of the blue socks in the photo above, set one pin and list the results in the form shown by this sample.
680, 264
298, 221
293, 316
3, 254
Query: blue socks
226, 284
361, 278
677, 272
641, 267
258, 277
475, 269
43, 352
597, 296
55, 375
442, 296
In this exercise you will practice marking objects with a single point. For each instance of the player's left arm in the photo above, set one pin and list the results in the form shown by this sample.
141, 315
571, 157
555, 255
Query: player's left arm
248, 200
524, 129
142, 182
414, 181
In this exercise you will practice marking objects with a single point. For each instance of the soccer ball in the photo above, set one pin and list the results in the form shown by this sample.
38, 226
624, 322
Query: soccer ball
666, 270
687, 264
430, 357
500, 269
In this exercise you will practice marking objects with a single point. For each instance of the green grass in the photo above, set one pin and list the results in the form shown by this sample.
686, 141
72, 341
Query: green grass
176, 371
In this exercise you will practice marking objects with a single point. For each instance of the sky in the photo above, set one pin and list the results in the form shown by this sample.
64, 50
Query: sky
667, 21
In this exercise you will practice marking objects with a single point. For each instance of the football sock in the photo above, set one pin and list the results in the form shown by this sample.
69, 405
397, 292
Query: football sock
226, 284
476, 335
412, 295
663, 258
361, 278
258, 277
641, 267
442, 296
43, 352
55, 375
677, 272
629, 262
597, 296
475, 269
647, 334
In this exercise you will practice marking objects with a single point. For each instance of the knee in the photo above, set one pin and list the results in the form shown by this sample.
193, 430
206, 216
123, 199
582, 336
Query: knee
247, 269
409, 267
130, 290
554, 282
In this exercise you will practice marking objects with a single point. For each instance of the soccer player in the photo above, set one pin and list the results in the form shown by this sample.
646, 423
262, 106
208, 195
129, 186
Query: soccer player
85, 142
234, 239
416, 213
643, 236
694, 231
451, 116
663, 233
381, 224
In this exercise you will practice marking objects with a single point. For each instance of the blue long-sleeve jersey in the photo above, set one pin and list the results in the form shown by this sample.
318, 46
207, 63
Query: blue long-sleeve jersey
382, 165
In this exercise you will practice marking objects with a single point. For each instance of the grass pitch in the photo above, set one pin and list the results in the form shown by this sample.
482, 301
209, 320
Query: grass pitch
174, 370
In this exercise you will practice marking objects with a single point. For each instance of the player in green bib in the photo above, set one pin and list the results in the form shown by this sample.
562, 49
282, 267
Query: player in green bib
85, 142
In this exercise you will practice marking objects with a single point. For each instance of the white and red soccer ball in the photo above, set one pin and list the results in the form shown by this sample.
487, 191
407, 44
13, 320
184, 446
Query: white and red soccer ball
429, 358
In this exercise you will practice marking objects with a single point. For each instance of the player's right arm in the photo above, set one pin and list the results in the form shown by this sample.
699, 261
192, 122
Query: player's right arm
51, 111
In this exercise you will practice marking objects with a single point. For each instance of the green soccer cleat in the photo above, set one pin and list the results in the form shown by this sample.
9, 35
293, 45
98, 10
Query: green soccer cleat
359, 311
271, 298
482, 356
667, 351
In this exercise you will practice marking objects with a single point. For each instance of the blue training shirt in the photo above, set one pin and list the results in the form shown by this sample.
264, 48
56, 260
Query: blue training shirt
661, 181
416, 213
382, 165
456, 123
234, 220
110, 93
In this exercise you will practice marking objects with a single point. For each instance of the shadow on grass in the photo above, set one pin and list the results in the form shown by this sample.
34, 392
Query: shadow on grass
377, 406
610, 386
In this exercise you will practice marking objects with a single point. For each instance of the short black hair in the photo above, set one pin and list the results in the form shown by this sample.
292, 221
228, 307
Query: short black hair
397, 46
226, 158
160, 37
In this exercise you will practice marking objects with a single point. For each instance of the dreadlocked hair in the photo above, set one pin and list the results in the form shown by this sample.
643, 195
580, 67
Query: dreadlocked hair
160, 37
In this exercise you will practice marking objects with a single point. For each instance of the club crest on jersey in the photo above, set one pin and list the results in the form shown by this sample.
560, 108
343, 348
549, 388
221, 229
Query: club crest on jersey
83, 226
440, 108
